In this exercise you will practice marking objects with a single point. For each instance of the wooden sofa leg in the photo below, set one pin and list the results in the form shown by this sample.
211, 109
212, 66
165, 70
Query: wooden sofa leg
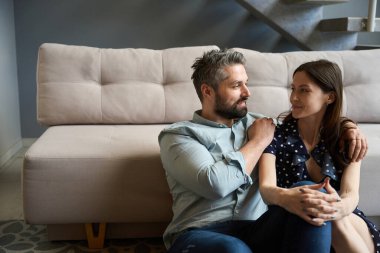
96, 233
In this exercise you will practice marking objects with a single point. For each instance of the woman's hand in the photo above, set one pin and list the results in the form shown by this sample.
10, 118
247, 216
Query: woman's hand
323, 206
339, 213
312, 205
342, 208
294, 201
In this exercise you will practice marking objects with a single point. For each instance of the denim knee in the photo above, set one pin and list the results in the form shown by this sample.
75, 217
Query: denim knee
232, 245
306, 182
204, 241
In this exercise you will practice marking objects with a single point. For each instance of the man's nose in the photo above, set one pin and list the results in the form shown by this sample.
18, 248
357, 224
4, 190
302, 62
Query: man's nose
245, 91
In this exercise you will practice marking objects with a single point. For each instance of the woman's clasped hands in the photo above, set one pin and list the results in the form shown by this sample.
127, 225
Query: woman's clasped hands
313, 205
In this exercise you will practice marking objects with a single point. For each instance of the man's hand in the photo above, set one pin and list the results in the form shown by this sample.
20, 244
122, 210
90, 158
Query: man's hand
357, 144
262, 131
260, 135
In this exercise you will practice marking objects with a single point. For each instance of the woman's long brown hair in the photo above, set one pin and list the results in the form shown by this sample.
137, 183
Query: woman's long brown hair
328, 76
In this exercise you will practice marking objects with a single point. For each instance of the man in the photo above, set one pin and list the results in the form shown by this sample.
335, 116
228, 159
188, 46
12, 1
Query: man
209, 163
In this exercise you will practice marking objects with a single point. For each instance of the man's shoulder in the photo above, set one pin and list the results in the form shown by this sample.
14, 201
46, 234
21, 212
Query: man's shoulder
180, 128
252, 116
255, 115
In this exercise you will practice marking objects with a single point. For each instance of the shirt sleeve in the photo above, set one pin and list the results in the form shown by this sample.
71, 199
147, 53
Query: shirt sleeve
189, 163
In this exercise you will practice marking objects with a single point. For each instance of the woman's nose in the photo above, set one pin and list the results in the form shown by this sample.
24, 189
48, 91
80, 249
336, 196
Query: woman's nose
293, 96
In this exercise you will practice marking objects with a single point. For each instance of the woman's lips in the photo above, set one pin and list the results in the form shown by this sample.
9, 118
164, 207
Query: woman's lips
296, 107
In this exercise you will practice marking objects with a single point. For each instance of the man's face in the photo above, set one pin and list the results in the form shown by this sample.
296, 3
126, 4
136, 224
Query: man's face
232, 94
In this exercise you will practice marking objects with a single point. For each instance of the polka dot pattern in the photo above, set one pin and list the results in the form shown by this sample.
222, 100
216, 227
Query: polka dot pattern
291, 156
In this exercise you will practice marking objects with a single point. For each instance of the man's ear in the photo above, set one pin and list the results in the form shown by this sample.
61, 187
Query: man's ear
207, 90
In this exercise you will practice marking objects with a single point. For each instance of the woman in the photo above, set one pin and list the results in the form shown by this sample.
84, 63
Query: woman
305, 148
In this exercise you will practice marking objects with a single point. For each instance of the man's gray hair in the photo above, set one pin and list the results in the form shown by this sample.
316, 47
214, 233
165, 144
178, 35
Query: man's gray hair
209, 68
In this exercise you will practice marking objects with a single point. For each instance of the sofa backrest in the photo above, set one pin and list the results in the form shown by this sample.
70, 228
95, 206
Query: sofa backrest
271, 73
86, 85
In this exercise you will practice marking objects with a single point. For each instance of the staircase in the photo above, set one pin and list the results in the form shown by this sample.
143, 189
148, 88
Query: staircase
301, 22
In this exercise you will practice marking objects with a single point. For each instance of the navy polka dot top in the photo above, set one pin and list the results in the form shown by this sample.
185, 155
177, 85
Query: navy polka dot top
291, 156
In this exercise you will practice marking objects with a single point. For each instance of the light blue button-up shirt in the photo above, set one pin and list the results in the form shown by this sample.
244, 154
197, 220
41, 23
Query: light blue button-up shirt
206, 174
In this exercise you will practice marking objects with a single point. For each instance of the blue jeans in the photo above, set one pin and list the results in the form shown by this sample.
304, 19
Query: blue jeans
275, 231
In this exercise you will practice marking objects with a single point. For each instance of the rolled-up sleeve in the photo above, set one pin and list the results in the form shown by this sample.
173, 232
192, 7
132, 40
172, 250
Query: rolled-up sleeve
190, 163
237, 159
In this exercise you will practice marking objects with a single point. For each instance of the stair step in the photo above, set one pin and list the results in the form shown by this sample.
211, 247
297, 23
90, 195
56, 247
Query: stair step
366, 47
299, 23
316, 2
348, 24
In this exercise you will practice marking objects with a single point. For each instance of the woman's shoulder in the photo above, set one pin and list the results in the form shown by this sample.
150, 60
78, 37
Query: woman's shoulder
288, 127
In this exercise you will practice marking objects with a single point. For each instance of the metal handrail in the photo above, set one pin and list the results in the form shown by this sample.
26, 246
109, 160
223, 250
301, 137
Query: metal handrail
371, 21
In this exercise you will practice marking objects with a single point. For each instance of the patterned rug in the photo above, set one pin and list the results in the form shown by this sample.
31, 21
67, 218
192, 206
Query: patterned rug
16, 236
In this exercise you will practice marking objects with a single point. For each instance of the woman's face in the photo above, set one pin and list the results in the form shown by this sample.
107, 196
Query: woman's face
307, 98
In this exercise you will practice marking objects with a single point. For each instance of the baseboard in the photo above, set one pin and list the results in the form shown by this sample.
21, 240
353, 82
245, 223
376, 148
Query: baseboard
11, 152
27, 142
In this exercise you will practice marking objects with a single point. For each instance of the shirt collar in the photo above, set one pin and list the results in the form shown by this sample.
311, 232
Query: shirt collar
197, 118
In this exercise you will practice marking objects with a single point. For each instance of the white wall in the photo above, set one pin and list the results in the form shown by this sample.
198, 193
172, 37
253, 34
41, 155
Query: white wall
10, 133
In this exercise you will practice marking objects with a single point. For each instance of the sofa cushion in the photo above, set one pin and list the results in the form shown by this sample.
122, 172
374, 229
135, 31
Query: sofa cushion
369, 201
85, 85
70, 171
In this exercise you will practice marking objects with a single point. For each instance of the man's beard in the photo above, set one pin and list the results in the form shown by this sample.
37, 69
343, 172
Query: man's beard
230, 112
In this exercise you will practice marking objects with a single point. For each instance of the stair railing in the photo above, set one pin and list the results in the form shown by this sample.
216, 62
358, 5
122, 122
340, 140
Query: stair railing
371, 21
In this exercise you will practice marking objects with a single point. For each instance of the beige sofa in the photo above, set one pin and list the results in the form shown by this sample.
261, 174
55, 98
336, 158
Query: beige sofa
98, 162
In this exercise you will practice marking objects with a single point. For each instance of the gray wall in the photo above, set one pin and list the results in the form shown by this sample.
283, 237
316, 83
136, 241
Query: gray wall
354, 8
10, 135
155, 24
